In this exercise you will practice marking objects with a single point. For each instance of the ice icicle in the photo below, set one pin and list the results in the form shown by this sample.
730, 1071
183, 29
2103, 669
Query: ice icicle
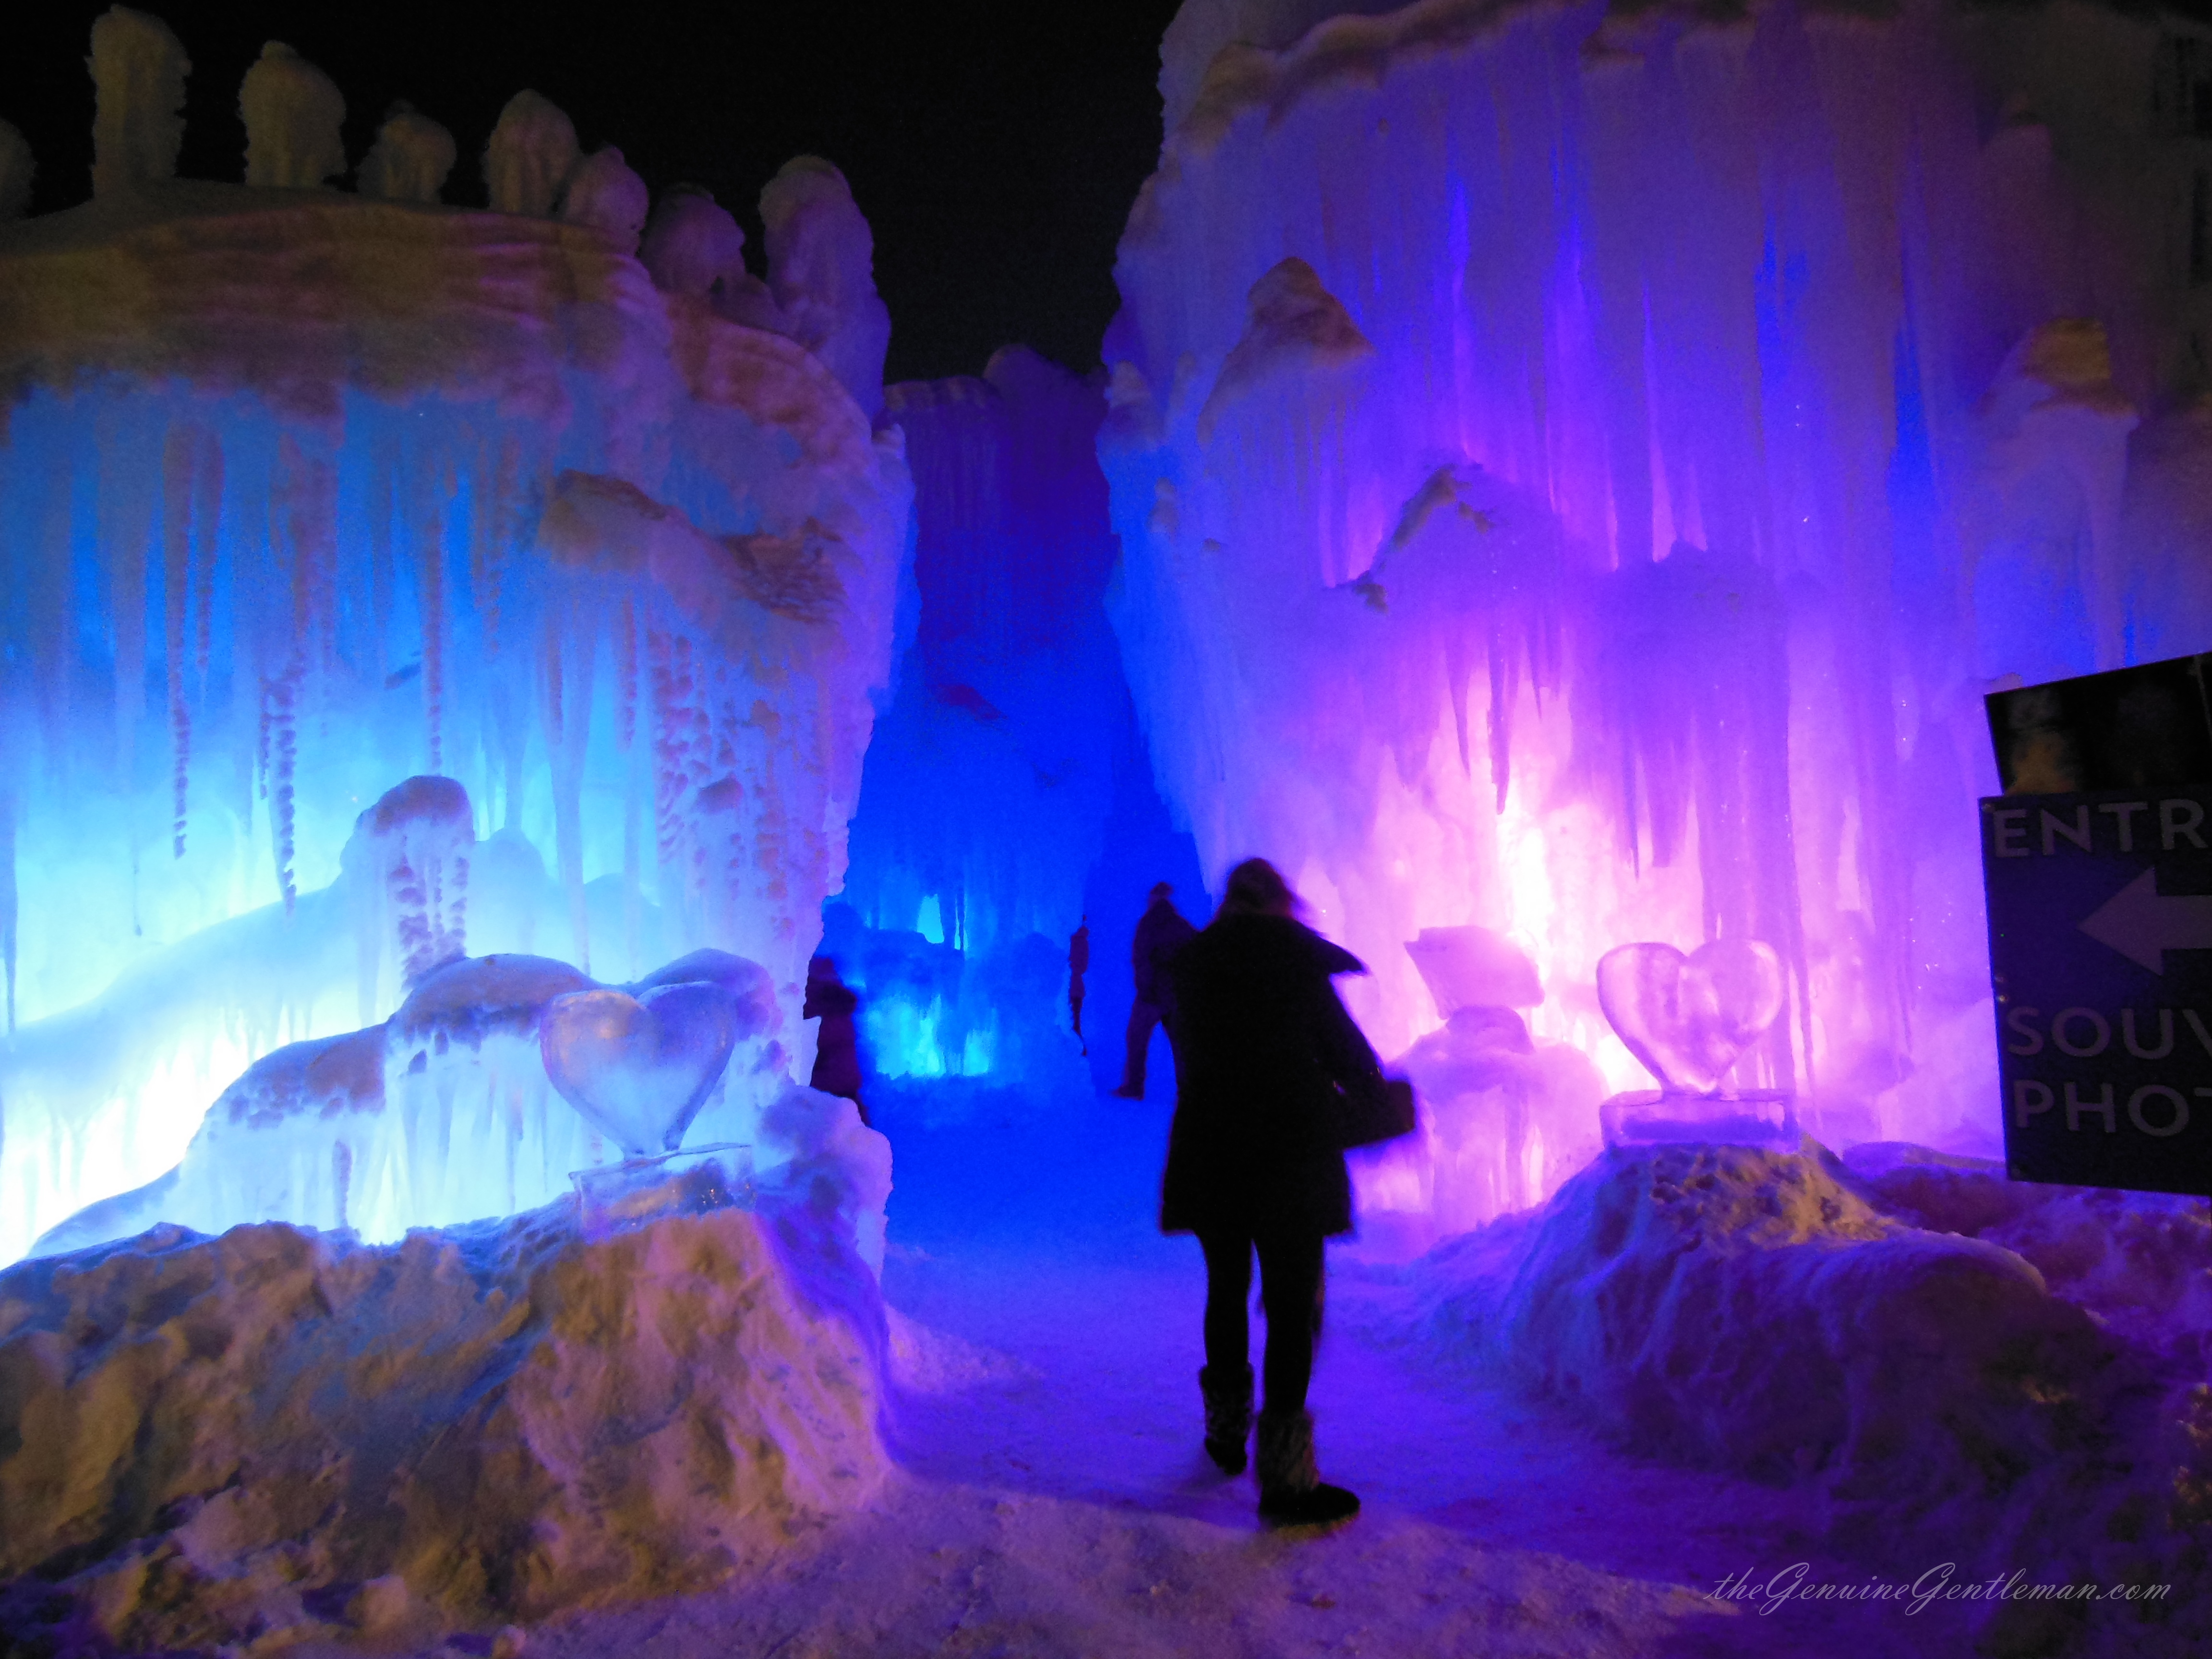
280, 696
305, 496
410, 160
178, 468
626, 670
568, 653
671, 684
430, 539
418, 839
292, 113
17, 169
7, 907
497, 501
138, 72
530, 154
207, 524
125, 515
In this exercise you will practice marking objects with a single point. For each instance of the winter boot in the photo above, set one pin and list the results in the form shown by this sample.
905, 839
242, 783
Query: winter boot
1228, 1418
1292, 1491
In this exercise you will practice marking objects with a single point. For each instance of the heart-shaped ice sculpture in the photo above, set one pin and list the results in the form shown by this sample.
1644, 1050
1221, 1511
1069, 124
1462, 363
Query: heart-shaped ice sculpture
639, 1068
1687, 1018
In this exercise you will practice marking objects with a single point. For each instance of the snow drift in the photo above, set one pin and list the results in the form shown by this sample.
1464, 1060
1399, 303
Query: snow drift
2010, 1376
282, 1434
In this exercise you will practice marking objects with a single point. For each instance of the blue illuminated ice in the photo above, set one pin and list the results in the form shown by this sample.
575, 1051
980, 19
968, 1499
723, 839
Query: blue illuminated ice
497, 1076
322, 509
638, 1068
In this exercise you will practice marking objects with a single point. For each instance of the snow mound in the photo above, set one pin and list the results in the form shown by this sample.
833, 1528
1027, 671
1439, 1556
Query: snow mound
1765, 1312
2142, 1262
280, 1434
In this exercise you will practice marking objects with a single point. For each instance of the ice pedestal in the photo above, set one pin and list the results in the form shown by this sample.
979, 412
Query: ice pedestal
616, 1197
1657, 1117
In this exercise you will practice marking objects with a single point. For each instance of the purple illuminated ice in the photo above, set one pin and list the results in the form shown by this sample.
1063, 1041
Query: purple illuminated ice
1689, 1019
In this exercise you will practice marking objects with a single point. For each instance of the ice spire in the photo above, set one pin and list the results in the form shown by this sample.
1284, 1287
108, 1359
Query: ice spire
138, 70
293, 113
692, 243
821, 267
602, 192
694, 246
410, 160
532, 154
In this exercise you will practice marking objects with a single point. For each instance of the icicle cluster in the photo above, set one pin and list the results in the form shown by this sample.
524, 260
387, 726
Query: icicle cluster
1705, 414
283, 535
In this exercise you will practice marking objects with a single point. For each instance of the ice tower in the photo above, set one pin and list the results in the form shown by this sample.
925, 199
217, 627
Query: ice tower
303, 494
1578, 468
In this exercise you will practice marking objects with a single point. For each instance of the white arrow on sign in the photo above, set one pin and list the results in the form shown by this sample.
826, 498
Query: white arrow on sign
2142, 925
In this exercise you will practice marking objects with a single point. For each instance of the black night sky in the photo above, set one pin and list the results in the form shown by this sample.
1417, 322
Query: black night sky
994, 145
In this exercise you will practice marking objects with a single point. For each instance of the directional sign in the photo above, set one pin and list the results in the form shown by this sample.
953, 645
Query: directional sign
2144, 924
2100, 948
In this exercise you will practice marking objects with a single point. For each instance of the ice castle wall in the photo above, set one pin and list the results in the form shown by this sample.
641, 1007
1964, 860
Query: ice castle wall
1577, 469
987, 800
305, 494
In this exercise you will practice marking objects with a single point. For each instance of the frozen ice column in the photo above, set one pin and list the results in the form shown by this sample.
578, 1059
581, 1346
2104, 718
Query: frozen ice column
411, 159
821, 265
530, 154
293, 113
138, 70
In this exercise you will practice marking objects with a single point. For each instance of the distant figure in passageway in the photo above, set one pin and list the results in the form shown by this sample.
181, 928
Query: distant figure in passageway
837, 1039
1254, 1163
1078, 963
1161, 933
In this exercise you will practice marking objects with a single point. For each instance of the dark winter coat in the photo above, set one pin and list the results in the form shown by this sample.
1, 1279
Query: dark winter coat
1161, 931
1262, 1047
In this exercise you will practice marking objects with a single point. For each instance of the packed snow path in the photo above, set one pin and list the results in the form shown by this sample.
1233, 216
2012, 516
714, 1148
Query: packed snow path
1057, 1503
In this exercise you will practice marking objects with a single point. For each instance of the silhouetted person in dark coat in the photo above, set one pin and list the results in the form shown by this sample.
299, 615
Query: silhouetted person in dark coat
1161, 931
837, 1039
1263, 1048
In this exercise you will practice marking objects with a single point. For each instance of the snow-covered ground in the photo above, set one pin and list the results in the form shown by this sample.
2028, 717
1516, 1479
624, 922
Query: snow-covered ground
1046, 1495
1053, 1498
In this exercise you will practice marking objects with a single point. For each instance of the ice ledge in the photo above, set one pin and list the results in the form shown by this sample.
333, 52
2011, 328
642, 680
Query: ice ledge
301, 295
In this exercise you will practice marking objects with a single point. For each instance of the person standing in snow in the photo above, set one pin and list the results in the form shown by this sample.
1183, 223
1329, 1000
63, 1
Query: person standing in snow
1161, 933
1262, 1049
837, 1039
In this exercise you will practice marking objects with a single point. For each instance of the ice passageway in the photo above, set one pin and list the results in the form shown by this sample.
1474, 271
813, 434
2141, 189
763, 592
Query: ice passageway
1054, 1499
